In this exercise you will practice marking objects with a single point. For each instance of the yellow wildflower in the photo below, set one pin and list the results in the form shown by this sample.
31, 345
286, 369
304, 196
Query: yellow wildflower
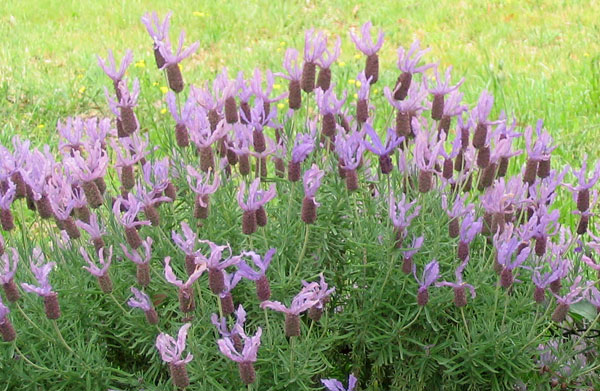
41, 126
164, 89
82, 90
351, 81
199, 14
280, 106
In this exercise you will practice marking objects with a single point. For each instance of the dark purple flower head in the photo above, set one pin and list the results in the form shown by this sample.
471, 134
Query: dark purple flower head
350, 148
8, 268
40, 272
430, 275
258, 118
133, 206
135, 256
221, 324
128, 98
327, 58
336, 385
303, 146
170, 350
158, 30
314, 45
470, 227
427, 148
312, 181
109, 67
172, 279
400, 212
140, 300
377, 147
442, 86
261, 262
104, 262
175, 57
408, 60
249, 350
328, 102
256, 197
364, 42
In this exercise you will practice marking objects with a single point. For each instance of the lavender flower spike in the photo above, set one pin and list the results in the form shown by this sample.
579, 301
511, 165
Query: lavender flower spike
384, 152
7, 273
468, 230
407, 63
159, 31
109, 67
441, 88
294, 74
575, 295
314, 46
300, 303
253, 207
94, 230
322, 293
44, 289
407, 261
247, 357
312, 181
460, 298
171, 352
142, 264
216, 264
430, 275
186, 294
303, 146
6, 328
100, 272
336, 385
263, 289
370, 49
142, 301
401, 217
128, 219
327, 58
172, 60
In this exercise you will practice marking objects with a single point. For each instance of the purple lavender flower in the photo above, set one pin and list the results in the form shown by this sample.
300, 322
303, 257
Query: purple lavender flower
508, 245
187, 244
458, 210
6, 328
122, 108
407, 63
181, 119
460, 298
40, 271
300, 303
143, 302
254, 202
230, 281
263, 289
362, 103
94, 230
407, 260
7, 274
262, 95
452, 108
90, 171
430, 275
314, 46
378, 148
426, 152
576, 294
203, 190
216, 264
109, 67
159, 32
581, 191
312, 181
129, 219
247, 357
325, 61
401, 217
441, 88
322, 294
71, 135
469, 228
234, 333
303, 146
173, 58
6, 199
336, 385
171, 352
480, 116
149, 199
350, 149
186, 293
294, 75
407, 109
329, 105
543, 280
100, 272
142, 263
370, 49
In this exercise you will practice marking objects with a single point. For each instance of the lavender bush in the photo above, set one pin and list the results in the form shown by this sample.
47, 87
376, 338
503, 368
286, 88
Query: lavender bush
403, 195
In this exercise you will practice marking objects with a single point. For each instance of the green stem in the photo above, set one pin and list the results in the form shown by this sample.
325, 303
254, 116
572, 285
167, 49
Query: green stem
112, 296
462, 313
303, 251
412, 321
21, 355
31, 322
62, 340
292, 357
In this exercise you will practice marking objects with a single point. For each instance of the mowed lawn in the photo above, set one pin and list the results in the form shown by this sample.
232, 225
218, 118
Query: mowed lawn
540, 59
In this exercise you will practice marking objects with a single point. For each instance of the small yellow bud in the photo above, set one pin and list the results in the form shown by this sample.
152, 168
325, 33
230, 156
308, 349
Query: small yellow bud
82, 90
164, 89
351, 81
280, 106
